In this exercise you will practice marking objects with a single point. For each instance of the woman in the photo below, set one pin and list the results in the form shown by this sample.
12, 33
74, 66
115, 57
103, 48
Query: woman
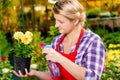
78, 53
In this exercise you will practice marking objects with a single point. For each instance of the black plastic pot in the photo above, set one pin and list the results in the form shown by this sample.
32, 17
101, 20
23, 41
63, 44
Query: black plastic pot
22, 63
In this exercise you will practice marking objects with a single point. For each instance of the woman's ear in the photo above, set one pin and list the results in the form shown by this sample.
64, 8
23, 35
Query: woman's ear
76, 21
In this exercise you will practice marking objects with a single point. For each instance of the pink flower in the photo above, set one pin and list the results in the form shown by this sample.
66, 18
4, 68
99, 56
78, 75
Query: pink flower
3, 58
42, 44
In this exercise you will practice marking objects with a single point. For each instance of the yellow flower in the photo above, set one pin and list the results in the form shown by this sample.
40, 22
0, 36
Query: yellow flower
110, 57
18, 35
29, 34
111, 54
111, 46
26, 40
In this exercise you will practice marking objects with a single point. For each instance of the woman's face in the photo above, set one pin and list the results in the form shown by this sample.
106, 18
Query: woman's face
63, 24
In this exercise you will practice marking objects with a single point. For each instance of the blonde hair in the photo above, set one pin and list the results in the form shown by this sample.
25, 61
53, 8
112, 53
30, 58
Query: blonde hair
71, 9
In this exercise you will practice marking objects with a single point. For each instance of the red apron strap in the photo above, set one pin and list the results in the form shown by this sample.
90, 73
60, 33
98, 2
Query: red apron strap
64, 75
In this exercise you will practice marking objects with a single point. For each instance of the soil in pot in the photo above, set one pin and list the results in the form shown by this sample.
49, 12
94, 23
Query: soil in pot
22, 63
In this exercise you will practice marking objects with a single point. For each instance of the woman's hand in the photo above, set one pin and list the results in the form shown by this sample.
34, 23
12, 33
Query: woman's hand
40, 75
19, 74
52, 55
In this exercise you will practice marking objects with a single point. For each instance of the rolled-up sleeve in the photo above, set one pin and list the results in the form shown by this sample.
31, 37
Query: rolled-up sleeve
95, 60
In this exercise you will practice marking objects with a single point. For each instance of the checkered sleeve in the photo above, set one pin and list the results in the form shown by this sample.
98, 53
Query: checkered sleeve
95, 60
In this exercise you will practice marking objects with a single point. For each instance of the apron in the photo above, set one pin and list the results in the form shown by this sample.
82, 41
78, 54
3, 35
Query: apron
65, 75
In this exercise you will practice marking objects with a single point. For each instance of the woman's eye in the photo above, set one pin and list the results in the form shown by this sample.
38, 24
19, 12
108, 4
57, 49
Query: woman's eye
60, 22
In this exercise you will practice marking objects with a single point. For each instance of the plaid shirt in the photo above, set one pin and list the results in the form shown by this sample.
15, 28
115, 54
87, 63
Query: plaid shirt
90, 54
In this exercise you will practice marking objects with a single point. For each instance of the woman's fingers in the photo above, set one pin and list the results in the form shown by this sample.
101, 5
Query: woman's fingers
19, 74
46, 50
26, 71
15, 73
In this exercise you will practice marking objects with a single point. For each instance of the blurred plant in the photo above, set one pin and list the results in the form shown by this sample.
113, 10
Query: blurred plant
101, 32
5, 69
93, 12
4, 44
9, 15
112, 38
112, 63
52, 33
108, 37
38, 59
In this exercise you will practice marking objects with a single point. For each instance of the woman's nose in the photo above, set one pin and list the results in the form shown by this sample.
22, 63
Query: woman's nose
56, 25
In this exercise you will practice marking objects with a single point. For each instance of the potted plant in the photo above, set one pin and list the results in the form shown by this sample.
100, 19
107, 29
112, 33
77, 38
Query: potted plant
23, 50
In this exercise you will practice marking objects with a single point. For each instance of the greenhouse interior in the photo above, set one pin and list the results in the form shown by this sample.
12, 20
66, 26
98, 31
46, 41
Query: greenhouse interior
36, 17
